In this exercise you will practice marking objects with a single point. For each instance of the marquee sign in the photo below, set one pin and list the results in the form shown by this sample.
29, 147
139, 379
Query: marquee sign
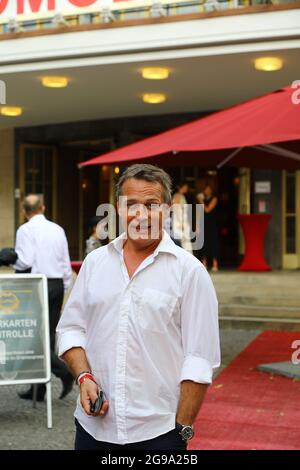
31, 9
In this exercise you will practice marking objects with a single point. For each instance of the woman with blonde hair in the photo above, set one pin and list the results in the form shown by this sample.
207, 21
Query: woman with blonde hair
211, 244
181, 225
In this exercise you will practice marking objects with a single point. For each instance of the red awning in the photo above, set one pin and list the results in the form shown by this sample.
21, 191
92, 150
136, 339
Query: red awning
243, 135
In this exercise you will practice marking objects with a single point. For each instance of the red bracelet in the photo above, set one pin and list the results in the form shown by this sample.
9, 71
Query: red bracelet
85, 376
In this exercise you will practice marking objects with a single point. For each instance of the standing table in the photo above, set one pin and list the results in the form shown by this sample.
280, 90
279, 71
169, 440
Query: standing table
254, 228
76, 265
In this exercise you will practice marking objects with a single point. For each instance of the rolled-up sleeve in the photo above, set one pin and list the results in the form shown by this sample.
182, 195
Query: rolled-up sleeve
200, 327
71, 328
25, 249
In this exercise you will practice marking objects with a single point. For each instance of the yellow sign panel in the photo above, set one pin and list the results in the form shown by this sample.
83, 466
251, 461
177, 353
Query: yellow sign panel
9, 302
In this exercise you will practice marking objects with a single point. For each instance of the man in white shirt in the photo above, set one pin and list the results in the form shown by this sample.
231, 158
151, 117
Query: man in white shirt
42, 248
141, 324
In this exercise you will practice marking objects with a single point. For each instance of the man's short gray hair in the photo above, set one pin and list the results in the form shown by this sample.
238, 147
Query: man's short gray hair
32, 204
151, 173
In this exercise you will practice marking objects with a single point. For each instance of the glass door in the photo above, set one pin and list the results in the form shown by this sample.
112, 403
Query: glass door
291, 219
38, 176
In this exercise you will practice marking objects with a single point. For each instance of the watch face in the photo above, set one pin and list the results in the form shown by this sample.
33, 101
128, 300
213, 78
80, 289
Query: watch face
187, 433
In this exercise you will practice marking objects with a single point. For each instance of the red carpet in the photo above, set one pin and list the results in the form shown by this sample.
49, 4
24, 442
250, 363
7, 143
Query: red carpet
246, 409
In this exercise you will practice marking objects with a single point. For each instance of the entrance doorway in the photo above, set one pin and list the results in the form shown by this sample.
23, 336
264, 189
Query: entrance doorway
291, 219
94, 189
38, 171
226, 183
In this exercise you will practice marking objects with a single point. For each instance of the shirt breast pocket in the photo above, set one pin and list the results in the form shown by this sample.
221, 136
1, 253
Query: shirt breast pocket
155, 310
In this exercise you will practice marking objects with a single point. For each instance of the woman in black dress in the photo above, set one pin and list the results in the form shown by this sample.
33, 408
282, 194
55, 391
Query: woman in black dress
211, 245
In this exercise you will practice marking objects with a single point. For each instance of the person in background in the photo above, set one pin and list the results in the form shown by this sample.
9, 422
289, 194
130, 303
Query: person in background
180, 221
93, 242
211, 244
42, 246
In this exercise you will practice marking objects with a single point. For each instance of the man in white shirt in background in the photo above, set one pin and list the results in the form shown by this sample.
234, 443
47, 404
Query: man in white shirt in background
141, 324
42, 248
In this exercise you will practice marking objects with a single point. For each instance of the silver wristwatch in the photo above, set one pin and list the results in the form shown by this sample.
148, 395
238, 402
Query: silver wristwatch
185, 431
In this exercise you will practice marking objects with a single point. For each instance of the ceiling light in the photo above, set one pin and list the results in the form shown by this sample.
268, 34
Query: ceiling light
11, 111
155, 73
55, 82
268, 64
154, 98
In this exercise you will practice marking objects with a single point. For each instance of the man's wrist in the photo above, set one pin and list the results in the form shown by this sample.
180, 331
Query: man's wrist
186, 420
86, 375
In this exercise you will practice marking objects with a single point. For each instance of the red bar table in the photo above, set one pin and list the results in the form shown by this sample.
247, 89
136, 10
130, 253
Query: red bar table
76, 265
254, 228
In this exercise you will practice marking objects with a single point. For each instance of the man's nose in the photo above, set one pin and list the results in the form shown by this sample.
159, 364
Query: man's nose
141, 213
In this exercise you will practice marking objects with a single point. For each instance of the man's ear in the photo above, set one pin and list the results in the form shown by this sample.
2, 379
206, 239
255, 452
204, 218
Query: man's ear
43, 209
166, 207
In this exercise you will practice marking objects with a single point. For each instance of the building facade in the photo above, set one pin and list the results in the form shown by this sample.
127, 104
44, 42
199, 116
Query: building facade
97, 52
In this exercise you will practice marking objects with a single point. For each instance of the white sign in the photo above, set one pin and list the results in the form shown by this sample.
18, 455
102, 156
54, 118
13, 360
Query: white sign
263, 187
24, 332
24, 329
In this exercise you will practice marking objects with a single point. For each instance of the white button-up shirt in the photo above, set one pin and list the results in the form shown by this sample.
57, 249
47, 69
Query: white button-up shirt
42, 246
142, 336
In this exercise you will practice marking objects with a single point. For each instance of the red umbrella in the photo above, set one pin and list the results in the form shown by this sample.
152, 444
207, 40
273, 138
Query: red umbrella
243, 135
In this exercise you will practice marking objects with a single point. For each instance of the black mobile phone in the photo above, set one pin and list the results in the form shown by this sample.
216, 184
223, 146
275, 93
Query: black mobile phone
97, 405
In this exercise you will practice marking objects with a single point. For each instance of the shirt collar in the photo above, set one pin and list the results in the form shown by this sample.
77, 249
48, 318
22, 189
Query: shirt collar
36, 218
165, 246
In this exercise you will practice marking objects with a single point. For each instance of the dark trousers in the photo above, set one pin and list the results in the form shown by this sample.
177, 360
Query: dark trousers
169, 441
55, 301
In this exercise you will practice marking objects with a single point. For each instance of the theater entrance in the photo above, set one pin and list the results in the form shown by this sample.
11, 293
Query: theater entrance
226, 186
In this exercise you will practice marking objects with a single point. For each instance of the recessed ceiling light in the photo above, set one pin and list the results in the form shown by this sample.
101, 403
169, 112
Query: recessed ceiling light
11, 111
155, 73
268, 64
154, 98
55, 82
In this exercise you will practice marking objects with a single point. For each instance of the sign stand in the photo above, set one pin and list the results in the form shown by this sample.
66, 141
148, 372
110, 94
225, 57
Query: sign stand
49, 404
24, 334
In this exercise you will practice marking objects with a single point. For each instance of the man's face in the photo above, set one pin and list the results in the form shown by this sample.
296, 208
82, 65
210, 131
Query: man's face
142, 211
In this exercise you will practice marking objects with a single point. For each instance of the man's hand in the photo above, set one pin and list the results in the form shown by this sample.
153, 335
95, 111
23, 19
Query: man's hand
88, 394
77, 362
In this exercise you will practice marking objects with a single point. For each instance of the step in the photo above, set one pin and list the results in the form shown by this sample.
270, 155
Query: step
262, 300
260, 289
259, 324
263, 311
280, 279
